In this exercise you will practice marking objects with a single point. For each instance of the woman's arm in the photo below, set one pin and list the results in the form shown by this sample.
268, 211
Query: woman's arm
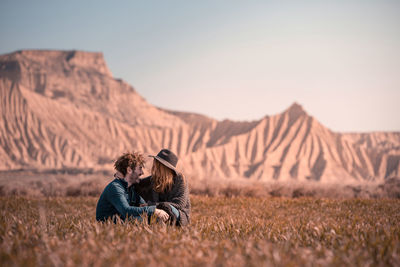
179, 193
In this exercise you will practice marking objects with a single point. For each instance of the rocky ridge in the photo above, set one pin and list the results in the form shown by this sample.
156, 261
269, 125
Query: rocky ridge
63, 109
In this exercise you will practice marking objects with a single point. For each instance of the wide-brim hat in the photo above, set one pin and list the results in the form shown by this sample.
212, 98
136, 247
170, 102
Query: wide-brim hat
167, 158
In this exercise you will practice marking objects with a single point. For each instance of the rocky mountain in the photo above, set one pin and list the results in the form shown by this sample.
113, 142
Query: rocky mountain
63, 109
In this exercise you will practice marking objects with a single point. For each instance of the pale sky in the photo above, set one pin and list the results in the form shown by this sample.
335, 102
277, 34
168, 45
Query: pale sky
240, 60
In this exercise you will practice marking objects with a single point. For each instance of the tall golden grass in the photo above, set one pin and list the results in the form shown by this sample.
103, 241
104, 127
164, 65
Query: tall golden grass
225, 231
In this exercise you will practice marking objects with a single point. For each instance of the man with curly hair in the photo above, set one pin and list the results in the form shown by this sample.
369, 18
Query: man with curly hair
119, 194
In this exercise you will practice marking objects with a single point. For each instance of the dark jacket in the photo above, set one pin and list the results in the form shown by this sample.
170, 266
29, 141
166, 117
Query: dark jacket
178, 196
114, 201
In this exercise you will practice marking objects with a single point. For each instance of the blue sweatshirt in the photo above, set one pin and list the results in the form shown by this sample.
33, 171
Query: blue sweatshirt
115, 201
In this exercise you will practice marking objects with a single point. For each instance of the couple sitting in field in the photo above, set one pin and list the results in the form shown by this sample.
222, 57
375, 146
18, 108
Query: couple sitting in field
164, 194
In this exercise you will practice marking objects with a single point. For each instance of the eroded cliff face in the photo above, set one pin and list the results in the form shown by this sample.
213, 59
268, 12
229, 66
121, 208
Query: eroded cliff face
64, 109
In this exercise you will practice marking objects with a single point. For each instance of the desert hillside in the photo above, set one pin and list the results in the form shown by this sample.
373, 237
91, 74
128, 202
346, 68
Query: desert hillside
64, 109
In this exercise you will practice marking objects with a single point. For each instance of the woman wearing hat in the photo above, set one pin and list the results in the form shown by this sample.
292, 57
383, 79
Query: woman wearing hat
167, 187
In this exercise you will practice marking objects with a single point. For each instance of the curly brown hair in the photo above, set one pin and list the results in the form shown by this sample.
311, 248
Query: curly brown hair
130, 159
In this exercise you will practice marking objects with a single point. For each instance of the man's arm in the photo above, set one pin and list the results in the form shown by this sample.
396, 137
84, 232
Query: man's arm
117, 198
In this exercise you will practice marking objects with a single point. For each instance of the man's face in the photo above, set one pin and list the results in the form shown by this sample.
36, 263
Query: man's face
132, 176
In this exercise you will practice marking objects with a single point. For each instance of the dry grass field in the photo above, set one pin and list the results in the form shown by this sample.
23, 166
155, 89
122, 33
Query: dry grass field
78, 182
225, 231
